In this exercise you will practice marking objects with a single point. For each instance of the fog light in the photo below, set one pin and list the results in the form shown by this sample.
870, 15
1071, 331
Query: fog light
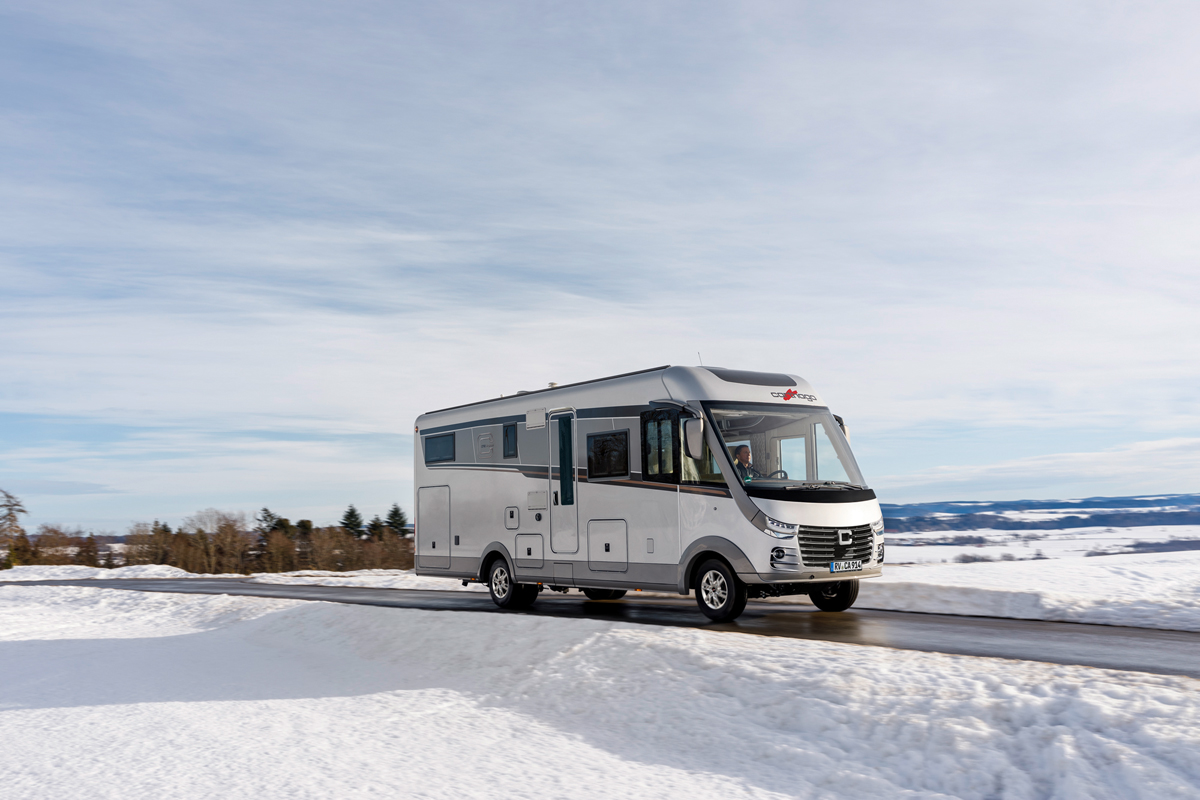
777, 554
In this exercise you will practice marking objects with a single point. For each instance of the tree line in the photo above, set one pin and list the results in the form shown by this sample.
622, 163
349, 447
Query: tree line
217, 542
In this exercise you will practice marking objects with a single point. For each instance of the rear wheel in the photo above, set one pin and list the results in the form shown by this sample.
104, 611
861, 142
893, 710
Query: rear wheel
835, 596
506, 592
604, 594
719, 593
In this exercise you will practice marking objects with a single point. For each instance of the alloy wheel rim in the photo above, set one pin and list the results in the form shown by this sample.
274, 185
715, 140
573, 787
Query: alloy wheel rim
714, 589
500, 582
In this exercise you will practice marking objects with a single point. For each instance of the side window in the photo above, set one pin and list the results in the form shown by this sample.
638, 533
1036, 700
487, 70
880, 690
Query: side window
608, 455
566, 460
660, 446
702, 470
510, 440
439, 448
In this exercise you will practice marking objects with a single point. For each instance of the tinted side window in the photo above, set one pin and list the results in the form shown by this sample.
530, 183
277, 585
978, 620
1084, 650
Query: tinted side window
510, 441
566, 460
439, 448
608, 454
660, 446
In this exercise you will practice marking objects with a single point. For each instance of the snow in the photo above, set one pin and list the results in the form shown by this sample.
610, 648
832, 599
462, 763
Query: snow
372, 578
76, 573
132, 695
1147, 590
927, 547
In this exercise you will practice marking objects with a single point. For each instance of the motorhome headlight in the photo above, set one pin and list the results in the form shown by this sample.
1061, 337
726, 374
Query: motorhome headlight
781, 530
877, 526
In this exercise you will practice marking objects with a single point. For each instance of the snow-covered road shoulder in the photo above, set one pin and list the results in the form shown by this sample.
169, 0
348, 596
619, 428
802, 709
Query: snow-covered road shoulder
1152, 590
283, 699
1147, 590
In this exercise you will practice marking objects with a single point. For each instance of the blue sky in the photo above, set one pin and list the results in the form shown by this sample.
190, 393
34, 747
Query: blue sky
241, 248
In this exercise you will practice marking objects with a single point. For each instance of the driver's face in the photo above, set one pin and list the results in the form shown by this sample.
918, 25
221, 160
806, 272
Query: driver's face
743, 456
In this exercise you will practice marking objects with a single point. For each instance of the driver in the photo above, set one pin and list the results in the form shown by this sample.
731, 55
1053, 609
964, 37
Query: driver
741, 464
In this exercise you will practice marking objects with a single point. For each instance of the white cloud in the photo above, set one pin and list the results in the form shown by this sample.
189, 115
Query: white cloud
219, 219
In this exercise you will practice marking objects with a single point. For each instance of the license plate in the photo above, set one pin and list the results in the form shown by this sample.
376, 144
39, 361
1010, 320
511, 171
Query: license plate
845, 566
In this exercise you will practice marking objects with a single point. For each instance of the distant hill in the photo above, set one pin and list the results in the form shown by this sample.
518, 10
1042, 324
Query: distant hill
1115, 512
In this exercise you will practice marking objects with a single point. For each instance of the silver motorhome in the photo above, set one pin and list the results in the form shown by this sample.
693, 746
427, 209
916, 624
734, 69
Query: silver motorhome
729, 483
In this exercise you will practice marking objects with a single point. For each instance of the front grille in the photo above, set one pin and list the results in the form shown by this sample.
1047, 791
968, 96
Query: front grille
819, 546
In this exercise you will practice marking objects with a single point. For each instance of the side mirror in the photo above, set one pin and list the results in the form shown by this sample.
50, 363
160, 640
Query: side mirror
842, 424
693, 438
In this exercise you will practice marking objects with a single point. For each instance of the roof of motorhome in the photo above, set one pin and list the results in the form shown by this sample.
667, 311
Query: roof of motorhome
728, 377
550, 389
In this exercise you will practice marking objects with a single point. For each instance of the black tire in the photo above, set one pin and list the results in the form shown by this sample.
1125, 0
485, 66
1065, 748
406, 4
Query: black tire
719, 594
604, 594
835, 596
506, 593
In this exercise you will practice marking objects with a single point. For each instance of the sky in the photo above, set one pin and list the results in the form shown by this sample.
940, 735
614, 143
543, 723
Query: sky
242, 246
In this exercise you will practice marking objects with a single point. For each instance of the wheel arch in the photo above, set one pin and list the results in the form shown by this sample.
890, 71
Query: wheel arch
490, 554
710, 547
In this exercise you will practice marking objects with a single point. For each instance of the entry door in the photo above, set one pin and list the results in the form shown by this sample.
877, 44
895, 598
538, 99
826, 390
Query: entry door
433, 527
563, 489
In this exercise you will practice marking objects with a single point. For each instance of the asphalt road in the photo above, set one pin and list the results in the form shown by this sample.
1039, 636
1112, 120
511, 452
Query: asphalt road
1110, 647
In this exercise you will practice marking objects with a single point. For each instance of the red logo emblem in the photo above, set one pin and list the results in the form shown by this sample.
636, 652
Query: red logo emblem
789, 394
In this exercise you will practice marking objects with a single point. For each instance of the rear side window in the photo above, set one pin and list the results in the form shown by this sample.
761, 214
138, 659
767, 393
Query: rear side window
608, 455
439, 448
660, 446
510, 441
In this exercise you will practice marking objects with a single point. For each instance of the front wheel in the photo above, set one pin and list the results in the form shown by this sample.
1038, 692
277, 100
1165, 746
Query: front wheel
719, 593
835, 596
507, 593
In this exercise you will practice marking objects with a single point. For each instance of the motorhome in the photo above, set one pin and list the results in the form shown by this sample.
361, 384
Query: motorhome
728, 483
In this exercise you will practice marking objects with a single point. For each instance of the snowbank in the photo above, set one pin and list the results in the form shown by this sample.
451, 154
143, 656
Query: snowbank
371, 578
1152, 590
75, 573
325, 700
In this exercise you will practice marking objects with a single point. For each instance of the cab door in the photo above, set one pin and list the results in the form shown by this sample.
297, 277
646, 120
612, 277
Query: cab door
563, 489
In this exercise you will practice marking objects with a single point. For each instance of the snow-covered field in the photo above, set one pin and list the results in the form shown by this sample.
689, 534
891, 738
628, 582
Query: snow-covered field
112, 694
933, 547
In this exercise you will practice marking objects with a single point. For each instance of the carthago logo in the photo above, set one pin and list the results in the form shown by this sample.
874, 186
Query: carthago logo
791, 393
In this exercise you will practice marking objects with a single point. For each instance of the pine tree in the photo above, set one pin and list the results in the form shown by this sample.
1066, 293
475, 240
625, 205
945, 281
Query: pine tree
20, 552
266, 521
352, 521
397, 520
110, 559
376, 528
10, 511
88, 554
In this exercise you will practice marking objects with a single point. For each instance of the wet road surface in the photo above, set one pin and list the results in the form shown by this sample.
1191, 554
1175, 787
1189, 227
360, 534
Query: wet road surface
1111, 647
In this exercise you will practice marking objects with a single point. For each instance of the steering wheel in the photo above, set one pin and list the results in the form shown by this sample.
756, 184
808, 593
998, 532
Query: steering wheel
780, 472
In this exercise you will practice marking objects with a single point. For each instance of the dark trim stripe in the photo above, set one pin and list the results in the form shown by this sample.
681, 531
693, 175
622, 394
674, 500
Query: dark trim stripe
599, 412
614, 412
712, 491
479, 423
635, 482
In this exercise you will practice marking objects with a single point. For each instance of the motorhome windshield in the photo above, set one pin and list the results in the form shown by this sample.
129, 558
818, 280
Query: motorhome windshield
786, 448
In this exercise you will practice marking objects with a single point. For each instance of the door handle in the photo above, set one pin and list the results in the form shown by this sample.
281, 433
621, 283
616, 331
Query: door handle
556, 498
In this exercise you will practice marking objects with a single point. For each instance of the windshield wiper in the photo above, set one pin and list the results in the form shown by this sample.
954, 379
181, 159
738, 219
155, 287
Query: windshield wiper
826, 485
